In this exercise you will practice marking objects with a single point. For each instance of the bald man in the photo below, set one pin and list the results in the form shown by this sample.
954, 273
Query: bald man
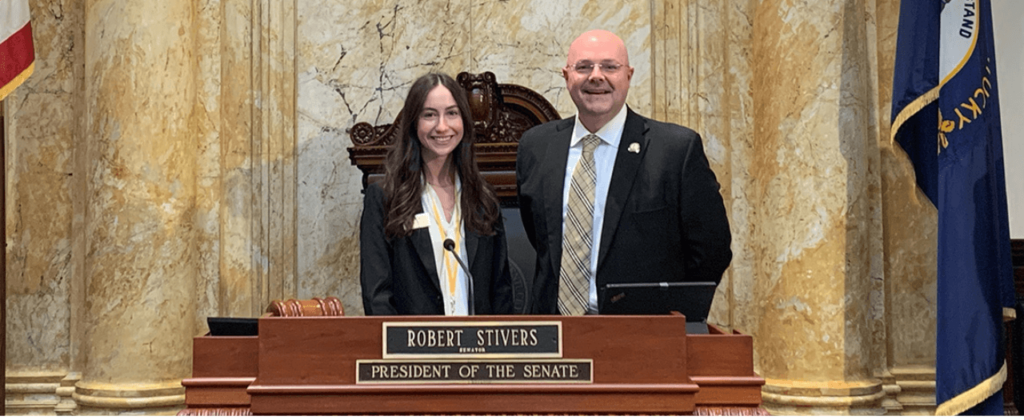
610, 196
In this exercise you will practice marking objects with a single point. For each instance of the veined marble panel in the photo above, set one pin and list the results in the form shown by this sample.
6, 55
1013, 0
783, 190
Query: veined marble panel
525, 42
911, 240
235, 285
702, 79
40, 132
356, 60
208, 122
911, 230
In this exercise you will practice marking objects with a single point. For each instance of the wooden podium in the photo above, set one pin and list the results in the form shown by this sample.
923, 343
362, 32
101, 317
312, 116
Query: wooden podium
637, 365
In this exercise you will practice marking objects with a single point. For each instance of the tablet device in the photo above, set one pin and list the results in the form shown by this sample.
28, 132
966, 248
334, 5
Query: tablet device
690, 299
233, 326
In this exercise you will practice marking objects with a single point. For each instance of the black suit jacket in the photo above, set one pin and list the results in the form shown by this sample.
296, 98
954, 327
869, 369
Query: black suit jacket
664, 218
399, 277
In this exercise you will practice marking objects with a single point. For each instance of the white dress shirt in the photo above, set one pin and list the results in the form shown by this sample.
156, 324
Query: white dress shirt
604, 162
456, 304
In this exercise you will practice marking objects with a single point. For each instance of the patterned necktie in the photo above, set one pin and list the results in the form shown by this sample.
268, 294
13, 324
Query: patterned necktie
574, 275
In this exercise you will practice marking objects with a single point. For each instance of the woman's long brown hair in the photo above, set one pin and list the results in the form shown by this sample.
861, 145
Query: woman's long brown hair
404, 165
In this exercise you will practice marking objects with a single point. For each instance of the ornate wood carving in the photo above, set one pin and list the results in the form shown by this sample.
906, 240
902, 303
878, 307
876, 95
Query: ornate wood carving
501, 114
729, 411
215, 412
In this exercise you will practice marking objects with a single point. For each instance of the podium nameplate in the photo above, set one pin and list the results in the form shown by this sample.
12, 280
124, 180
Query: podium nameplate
473, 371
472, 340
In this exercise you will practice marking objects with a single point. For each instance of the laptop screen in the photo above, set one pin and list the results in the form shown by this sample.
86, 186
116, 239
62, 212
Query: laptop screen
693, 300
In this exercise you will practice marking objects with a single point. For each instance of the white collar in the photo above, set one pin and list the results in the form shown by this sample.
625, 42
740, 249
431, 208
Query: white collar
611, 133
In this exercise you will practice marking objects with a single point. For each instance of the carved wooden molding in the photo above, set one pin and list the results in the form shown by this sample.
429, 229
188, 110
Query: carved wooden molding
220, 411
701, 410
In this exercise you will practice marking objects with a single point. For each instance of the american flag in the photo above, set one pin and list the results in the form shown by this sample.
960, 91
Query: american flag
17, 58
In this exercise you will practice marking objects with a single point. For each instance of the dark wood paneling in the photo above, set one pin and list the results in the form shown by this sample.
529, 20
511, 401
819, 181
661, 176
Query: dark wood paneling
1017, 251
1013, 389
222, 370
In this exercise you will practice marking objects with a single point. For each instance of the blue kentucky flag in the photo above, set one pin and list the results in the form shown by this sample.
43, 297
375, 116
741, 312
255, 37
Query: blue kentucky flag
945, 115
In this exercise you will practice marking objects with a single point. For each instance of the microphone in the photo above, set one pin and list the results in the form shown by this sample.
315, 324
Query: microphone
449, 245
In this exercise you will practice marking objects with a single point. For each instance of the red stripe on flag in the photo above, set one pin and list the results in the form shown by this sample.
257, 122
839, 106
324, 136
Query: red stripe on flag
16, 54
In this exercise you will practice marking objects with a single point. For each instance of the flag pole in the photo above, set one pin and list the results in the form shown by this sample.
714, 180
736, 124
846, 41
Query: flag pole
3, 264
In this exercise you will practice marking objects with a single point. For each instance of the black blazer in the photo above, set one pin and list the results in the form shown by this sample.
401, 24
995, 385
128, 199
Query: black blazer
399, 277
664, 218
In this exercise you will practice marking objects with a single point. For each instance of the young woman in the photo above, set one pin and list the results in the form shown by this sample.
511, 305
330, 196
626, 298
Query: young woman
433, 192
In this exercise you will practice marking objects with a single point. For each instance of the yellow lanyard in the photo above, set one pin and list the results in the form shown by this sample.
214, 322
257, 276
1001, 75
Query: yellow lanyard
449, 261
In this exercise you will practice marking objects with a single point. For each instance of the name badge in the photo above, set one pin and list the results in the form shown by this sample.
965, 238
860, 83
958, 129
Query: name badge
420, 221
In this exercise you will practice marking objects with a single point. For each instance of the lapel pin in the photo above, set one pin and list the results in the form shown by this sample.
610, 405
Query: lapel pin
634, 148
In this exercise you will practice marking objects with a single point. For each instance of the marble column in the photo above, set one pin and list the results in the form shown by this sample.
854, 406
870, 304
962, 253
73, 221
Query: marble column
40, 132
815, 209
140, 270
911, 241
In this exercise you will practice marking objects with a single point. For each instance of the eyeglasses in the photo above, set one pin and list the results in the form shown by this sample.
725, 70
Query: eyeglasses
584, 68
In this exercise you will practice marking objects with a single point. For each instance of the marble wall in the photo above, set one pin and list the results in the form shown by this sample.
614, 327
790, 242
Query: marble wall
356, 60
42, 128
164, 170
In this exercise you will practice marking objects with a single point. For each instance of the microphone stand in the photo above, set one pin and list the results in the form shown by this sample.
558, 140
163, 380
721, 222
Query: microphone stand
449, 245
